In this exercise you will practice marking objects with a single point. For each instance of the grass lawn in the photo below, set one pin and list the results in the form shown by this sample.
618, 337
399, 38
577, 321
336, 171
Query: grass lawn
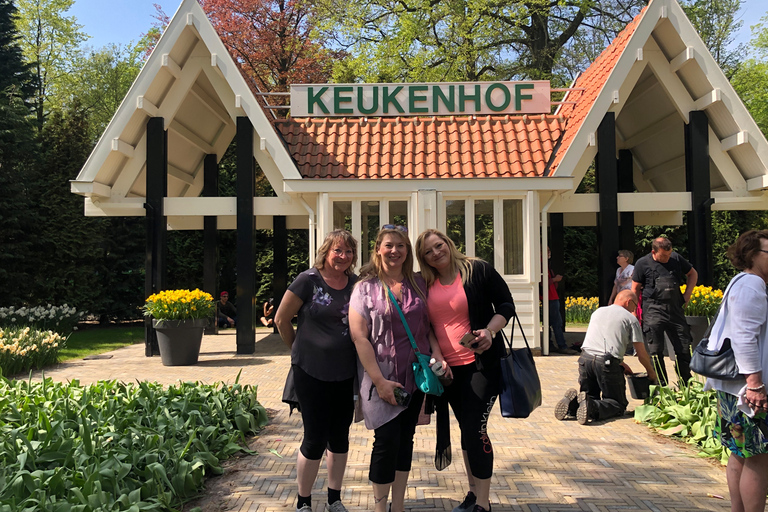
97, 340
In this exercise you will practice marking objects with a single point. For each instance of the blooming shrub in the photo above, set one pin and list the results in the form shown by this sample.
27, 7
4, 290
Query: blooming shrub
579, 309
24, 348
179, 305
704, 301
60, 319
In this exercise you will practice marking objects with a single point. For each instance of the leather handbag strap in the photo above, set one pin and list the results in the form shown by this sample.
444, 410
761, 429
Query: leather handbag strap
405, 323
508, 341
724, 306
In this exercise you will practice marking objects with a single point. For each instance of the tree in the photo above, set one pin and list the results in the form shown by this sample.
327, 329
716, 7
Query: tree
49, 40
752, 75
414, 40
17, 152
717, 24
272, 41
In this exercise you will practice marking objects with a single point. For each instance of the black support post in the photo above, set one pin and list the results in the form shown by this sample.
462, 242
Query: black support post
210, 234
557, 261
608, 217
280, 261
698, 184
246, 271
156, 247
626, 185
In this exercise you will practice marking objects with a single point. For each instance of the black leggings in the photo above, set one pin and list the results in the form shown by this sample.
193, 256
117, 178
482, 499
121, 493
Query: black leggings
472, 395
326, 409
393, 443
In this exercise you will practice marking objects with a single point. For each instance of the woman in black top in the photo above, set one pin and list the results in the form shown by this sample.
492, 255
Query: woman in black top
324, 363
466, 295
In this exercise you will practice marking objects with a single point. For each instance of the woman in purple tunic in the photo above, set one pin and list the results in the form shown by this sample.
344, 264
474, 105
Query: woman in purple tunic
386, 355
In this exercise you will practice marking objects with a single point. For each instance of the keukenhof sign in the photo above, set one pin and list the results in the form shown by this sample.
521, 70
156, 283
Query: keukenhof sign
478, 98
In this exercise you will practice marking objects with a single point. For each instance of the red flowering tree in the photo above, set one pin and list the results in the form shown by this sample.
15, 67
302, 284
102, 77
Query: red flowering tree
272, 41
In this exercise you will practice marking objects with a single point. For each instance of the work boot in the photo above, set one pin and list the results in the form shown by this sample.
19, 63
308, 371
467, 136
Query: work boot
567, 405
586, 410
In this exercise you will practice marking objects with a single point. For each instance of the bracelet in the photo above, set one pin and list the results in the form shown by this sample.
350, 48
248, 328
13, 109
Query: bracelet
493, 333
758, 388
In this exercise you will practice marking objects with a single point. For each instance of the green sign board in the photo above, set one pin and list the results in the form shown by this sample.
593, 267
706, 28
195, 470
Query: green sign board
466, 98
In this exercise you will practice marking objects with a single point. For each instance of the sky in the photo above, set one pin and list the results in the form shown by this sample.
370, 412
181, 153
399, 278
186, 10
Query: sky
123, 21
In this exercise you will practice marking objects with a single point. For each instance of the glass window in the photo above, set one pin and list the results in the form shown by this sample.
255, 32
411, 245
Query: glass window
454, 221
484, 229
398, 213
513, 236
371, 224
342, 215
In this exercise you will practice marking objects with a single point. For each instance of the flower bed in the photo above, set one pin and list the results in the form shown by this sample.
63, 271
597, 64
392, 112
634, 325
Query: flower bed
60, 319
117, 447
24, 348
579, 309
180, 305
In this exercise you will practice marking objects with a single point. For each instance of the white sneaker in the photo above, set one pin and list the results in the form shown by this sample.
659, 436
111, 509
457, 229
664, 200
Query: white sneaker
305, 508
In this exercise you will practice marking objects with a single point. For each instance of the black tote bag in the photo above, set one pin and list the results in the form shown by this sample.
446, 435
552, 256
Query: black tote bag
520, 387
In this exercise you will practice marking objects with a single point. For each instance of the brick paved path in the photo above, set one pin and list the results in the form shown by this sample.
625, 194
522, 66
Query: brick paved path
541, 464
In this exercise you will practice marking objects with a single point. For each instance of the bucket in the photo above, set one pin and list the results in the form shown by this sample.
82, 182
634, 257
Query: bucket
639, 385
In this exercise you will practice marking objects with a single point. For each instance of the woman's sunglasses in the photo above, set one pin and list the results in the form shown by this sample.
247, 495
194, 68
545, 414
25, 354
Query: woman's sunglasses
392, 226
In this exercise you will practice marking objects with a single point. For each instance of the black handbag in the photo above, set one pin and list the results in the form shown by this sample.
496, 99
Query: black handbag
289, 393
716, 364
520, 386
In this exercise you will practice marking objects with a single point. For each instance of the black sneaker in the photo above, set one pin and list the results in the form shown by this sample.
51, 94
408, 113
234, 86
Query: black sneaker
468, 504
567, 405
586, 409
478, 508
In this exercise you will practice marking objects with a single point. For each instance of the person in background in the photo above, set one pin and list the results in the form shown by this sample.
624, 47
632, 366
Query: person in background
226, 311
623, 279
467, 295
659, 275
386, 356
555, 318
603, 392
323, 363
268, 308
742, 404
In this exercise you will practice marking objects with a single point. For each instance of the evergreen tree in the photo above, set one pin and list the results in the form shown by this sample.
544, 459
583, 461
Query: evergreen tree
17, 150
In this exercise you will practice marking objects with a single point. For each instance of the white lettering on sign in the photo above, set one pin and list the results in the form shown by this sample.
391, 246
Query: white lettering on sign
466, 98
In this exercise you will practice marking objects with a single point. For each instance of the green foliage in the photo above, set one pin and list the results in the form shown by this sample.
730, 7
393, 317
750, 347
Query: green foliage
117, 447
688, 413
97, 340
24, 348
717, 23
580, 277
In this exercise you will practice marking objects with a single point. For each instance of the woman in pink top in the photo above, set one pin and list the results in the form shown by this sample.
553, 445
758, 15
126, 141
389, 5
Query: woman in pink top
466, 295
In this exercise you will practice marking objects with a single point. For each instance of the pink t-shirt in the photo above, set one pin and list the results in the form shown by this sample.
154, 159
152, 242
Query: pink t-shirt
449, 316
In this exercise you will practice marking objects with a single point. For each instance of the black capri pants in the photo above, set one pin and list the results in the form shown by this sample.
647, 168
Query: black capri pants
472, 395
326, 409
393, 443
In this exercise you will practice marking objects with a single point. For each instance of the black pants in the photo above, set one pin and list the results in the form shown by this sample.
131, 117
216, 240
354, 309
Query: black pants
393, 443
326, 409
472, 395
602, 377
658, 319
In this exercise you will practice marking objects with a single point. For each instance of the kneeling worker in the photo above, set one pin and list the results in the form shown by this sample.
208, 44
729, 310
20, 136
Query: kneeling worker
601, 366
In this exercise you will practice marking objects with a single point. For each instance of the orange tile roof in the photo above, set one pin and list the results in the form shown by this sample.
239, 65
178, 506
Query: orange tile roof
413, 147
592, 81
449, 147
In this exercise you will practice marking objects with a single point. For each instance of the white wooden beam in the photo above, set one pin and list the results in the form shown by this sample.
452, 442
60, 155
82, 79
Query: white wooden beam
468, 185
175, 172
211, 104
664, 168
643, 88
90, 188
627, 202
671, 83
170, 66
709, 99
758, 183
214, 206
732, 177
684, 57
123, 147
735, 140
147, 106
727, 201
658, 127
191, 137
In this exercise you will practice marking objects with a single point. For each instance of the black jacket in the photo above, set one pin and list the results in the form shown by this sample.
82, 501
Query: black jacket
488, 294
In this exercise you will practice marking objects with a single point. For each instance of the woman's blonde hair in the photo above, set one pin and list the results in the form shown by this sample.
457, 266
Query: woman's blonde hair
459, 261
332, 238
374, 269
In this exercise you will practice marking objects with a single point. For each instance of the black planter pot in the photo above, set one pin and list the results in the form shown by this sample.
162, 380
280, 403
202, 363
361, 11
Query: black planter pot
179, 340
698, 325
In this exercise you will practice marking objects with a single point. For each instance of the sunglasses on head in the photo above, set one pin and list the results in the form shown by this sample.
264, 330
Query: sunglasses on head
392, 226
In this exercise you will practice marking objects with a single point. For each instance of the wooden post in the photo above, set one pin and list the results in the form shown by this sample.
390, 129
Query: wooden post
246, 272
608, 218
698, 184
210, 235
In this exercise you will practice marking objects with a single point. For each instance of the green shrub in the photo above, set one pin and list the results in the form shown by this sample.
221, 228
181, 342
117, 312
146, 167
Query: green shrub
117, 447
60, 319
688, 413
24, 348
